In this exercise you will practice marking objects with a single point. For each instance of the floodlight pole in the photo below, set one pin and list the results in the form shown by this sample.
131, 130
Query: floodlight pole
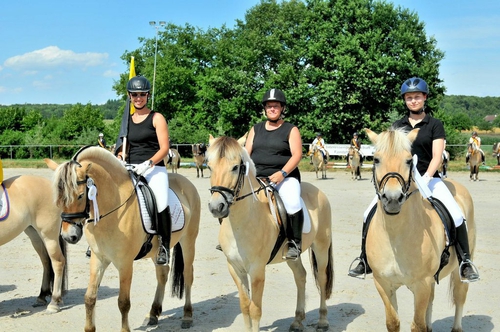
156, 26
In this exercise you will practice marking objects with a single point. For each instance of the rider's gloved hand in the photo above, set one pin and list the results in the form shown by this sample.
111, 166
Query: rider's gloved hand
426, 178
143, 168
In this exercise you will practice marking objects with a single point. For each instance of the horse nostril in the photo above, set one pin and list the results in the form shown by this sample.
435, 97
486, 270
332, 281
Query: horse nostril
221, 207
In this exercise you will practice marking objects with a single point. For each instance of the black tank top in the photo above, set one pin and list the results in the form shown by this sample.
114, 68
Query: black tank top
143, 141
271, 150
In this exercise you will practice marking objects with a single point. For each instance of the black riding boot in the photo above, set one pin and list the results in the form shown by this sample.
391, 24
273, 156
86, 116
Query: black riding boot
467, 270
164, 234
294, 234
482, 157
363, 268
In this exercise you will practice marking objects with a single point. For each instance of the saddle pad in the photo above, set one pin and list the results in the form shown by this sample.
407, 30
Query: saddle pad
176, 212
4, 204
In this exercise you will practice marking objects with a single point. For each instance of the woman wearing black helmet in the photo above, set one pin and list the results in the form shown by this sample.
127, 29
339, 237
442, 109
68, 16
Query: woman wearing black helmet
147, 145
428, 146
275, 146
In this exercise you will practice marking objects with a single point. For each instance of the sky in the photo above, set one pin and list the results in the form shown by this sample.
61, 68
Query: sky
67, 52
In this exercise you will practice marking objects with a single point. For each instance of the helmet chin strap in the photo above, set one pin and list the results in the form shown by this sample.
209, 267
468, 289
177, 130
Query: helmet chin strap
420, 111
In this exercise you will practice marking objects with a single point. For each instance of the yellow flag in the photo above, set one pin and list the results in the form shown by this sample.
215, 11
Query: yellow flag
1, 171
130, 75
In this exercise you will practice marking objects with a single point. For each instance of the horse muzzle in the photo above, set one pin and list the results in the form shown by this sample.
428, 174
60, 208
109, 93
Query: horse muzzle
219, 208
71, 232
392, 201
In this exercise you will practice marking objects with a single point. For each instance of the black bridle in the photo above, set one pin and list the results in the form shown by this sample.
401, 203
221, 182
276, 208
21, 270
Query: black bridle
84, 215
405, 185
233, 195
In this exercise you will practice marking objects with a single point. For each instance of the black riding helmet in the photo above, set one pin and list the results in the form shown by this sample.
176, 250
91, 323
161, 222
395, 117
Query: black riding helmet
274, 95
414, 84
138, 84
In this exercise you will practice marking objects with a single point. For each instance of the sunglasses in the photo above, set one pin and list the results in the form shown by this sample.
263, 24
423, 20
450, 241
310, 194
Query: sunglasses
142, 94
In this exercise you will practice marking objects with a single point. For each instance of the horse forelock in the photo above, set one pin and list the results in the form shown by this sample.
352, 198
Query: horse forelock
228, 148
393, 142
65, 183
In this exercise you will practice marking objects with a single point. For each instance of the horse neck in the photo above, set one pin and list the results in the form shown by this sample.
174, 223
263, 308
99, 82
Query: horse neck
409, 220
248, 208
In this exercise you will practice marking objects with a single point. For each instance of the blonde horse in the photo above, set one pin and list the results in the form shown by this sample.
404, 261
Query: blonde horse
355, 163
199, 157
406, 237
318, 161
474, 161
32, 210
248, 233
496, 152
118, 236
443, 168
174, 161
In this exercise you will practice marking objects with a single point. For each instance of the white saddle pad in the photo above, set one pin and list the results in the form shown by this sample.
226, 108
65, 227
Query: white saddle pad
4, 204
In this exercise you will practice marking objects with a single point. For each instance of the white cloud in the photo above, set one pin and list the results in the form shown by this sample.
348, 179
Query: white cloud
111, 73
53, 56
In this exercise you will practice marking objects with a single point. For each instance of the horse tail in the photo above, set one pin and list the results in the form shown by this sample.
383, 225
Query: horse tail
330, 275
62, 245
177, 272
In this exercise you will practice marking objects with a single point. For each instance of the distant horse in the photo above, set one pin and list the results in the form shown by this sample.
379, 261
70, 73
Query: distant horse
443, 168
248, 233
406, 237
118, 235
30, 208
355, 163
474, 161
496, 152
174, 161
318, 161
199, 150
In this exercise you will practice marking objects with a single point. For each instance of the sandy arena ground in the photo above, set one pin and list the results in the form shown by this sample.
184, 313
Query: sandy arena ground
354, 306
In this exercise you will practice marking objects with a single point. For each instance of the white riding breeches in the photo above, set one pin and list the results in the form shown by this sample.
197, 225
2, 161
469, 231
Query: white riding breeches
439, 191
157, 179
289, 191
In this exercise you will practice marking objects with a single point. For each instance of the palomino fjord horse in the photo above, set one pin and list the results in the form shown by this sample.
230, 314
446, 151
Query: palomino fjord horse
318, 161
199, 150
355, 163
174, 161
474, 161
406, 236
115, 233
496, 152
30, 208
248, 233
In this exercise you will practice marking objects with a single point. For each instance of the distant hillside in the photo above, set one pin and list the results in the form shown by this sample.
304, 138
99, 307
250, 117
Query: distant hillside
475, 107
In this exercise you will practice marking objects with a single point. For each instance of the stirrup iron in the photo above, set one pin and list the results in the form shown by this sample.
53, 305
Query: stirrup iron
356, 260
473, 267
285, 251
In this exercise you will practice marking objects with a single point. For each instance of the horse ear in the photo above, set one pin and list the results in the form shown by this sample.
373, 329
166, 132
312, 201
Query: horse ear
413, 134
243, 139
51, 164
371, 135
211, 139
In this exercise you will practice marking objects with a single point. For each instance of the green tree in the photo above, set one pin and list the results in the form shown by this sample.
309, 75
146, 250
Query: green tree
77, 120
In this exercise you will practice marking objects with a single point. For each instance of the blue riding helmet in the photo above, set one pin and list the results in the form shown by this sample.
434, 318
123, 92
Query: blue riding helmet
414, 84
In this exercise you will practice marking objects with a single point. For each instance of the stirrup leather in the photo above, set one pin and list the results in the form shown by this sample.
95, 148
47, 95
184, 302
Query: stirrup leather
359, 276
473, 267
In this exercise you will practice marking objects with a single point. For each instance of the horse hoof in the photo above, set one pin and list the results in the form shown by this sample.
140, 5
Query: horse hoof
152, 320
322, 328
186, 324
296, 328
52, 309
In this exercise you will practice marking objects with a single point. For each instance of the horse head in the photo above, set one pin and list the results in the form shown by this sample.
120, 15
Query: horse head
229, 163
75, 188
393, 163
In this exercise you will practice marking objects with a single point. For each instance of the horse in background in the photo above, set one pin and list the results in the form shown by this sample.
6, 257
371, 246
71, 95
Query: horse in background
173, 159
406, 237
443, 167
496, 152
96, 194
474, 161
30, 208
249, 233
318, 160
199, 150
355, 163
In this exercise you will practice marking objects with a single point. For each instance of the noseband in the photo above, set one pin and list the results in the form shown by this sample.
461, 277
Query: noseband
405, 185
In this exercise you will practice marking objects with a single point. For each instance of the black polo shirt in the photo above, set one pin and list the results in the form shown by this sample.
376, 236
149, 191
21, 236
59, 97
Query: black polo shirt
430, 129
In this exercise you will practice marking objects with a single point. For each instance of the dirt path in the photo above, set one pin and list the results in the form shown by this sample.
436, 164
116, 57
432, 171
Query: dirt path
354, 306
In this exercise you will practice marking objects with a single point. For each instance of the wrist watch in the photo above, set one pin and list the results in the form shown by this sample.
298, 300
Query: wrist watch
284, 173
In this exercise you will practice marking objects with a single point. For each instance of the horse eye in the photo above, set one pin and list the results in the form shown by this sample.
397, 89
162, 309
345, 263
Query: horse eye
80, 196
409, 161
235, 168
376, 161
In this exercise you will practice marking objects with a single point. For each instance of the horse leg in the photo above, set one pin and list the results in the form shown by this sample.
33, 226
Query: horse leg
58, 266
388, 295
299, 275
188, 252
156, 307
322, 264
241, 281
125, 273
48, 276
97, 269
423, 294
458, 291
